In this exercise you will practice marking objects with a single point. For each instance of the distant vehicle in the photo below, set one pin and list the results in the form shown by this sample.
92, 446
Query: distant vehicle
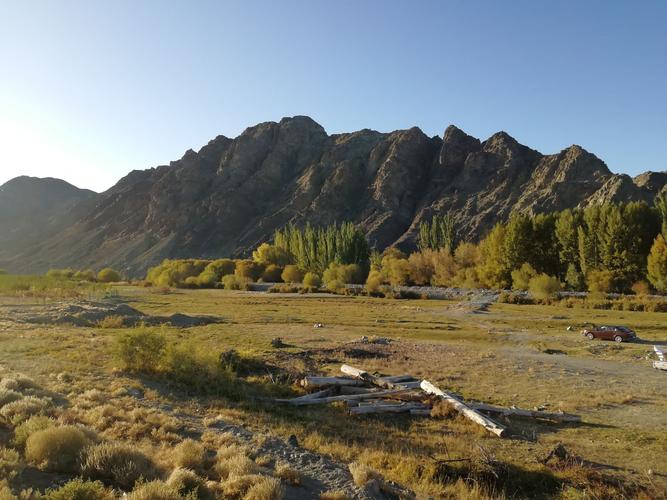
615, 333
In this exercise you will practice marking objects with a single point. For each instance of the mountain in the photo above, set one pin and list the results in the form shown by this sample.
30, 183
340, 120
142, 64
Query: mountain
232, 194
33, 209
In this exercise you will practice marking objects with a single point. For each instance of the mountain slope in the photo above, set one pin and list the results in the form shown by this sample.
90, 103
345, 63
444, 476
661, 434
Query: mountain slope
233, 193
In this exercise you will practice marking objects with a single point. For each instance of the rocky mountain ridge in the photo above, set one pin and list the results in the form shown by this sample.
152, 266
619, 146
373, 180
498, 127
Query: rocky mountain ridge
233, 193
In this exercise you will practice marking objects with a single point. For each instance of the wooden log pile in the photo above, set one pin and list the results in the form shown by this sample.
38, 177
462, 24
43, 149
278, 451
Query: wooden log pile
364, 393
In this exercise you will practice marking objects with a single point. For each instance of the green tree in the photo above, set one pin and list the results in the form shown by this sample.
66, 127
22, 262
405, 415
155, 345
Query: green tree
493, 271
521, 277
657, 264
439, 232
519, 240
574, 278
566, 229
660, 204
271, 254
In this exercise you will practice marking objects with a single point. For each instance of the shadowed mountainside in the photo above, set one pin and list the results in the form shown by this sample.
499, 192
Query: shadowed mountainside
231, 195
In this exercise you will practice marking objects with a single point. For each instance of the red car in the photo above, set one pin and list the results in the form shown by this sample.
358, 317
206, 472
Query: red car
615, 333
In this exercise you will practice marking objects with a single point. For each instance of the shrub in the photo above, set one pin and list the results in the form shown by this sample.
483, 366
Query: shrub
272, 274
114, 321
154, 490
18, 383
574, 278
335, 285
8, 396
10, 464
398, 271
118, 464
373, 282
271, 254
60, 273
521, 277
175, 272
599, 282
214, 271
543, 286
641, 288
233, 282
141, 349
235, 465
108, 275
187, 483
25, 429
22, 409
56, 448
189, 454
292, 274
79, 489
248, 269
312, 280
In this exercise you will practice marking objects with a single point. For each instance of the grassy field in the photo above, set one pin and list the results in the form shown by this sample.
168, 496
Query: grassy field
507, 355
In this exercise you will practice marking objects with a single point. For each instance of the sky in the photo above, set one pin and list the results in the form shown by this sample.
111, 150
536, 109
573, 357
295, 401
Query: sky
90, 90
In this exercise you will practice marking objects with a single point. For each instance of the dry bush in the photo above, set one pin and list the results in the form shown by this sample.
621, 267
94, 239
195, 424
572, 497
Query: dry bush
443, 409
265, 488
119, 464
10, 464
288, 474
22, 409
230, 450
8, 396
56, 448
189, 454
362, 474
237, 465
18, 383
113, 321
187, 482
334, 495
25, 429
154, 490
78, 489
95, 396
264, 460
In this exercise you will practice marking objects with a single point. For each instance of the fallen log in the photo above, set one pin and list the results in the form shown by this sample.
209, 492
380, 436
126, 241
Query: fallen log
367, 377
465, 410
332, 399
397, 378
417, 412
327, 381
311, 396
384, 408
555, 416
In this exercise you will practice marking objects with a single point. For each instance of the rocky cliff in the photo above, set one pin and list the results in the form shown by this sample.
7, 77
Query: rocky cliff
232, 194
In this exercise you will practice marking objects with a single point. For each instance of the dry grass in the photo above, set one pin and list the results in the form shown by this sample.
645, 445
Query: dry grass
154, 490
8, 396
237, 465
17, 382
334, 495
189, 454
118, 464
288, 474
187, 482
111, 322
362, 474
265, 488
56, 448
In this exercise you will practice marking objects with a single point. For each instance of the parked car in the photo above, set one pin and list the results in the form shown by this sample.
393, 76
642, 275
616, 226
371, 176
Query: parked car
615, 333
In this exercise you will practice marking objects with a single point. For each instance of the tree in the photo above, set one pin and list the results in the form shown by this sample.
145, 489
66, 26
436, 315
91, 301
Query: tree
518, 242
574, 278
108, 275
545, 253
440, 232
271, 254
398, 272
660, 204
493, 271
599, 281
566, 229
657, 264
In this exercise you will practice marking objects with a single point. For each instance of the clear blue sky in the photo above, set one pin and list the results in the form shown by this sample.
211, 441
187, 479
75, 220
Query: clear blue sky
90, 90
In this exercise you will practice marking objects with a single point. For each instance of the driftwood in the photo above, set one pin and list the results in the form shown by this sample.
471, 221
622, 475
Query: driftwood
386, 408
555, 416
660, 365
329, 381
367, 377
465, 410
